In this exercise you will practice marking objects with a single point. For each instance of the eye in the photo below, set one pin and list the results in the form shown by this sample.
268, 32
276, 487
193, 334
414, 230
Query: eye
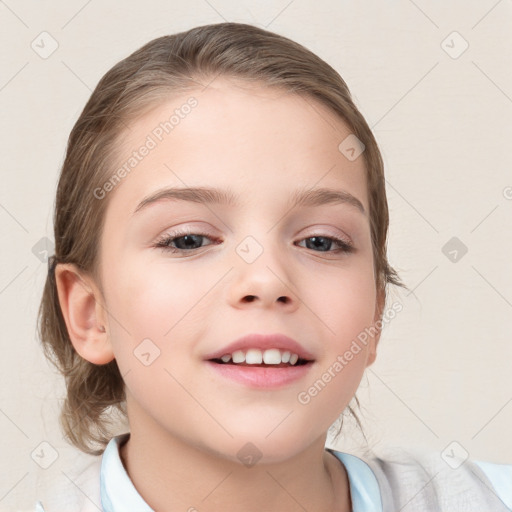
186, 241
325, 242
181, 241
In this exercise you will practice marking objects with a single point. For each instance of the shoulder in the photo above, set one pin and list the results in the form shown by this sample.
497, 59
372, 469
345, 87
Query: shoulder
410, 480
500, 475
76, 491
94, 486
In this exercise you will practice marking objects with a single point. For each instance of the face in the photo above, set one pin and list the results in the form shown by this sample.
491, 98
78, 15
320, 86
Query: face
182, 279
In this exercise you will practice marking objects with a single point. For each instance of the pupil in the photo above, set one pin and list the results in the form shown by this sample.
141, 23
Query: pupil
315, 243
188, 241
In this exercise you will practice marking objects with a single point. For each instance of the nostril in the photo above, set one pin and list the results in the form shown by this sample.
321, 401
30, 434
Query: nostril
252, 298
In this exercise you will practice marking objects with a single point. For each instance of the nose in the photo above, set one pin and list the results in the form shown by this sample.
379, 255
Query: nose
265, 283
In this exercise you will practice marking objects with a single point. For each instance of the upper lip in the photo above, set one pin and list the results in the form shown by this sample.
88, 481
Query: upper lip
263, 342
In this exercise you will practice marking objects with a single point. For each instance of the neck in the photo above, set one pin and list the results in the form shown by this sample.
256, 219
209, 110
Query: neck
172, 475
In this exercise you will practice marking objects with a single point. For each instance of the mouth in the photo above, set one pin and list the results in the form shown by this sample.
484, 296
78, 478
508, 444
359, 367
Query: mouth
301, 362
271, 368
270, 358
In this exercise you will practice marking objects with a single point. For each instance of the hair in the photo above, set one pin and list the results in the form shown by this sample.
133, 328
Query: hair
166, 66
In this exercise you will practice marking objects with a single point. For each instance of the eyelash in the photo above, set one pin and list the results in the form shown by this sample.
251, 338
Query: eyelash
165, 241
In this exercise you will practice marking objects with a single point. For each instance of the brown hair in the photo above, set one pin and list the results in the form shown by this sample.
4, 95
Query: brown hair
168, 65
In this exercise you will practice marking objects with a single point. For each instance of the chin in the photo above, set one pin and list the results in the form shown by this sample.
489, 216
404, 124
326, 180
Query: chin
258, 447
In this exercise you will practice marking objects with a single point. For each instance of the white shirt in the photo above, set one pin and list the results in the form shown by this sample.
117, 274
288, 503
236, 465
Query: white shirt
113, 491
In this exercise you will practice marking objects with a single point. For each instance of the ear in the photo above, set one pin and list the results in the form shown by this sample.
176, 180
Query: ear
82, 307
379, 310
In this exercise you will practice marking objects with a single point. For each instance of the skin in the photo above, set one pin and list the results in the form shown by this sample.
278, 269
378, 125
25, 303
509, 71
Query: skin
186, 423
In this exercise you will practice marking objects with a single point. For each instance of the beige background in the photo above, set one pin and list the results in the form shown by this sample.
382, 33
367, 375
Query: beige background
444, 123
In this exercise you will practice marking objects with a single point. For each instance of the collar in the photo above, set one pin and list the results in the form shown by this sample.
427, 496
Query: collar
364, 488
116, 488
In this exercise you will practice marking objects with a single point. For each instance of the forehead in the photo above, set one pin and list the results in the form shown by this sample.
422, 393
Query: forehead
240, 135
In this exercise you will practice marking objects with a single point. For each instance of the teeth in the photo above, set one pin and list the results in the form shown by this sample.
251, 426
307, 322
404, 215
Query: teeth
238, 357
272, 356
256, 356
253, 356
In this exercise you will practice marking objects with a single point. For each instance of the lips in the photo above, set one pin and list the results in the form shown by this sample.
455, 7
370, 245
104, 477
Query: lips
239, 361
264, 343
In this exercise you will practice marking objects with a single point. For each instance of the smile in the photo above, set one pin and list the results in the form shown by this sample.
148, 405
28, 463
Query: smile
255, 356
261, 376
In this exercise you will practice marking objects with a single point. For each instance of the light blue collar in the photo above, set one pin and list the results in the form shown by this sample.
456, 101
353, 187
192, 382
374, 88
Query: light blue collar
364, 488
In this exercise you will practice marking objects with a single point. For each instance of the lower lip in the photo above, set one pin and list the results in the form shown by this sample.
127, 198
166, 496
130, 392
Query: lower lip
260, 377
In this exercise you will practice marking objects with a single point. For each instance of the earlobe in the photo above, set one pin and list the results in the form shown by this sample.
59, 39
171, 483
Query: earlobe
81, 305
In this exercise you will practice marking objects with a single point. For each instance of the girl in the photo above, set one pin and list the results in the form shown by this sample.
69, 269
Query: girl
220, 278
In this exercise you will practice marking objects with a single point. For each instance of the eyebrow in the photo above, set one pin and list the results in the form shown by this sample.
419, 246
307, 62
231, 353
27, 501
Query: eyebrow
205, 195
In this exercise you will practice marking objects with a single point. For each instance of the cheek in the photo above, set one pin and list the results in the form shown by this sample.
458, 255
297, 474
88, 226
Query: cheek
346, 311
343, 301
150, 307
154, 302
151, 299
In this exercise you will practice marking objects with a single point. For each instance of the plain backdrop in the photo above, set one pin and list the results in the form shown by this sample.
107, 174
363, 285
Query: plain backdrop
434, 81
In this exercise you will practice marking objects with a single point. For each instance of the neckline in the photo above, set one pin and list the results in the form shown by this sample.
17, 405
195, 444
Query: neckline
119, 493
